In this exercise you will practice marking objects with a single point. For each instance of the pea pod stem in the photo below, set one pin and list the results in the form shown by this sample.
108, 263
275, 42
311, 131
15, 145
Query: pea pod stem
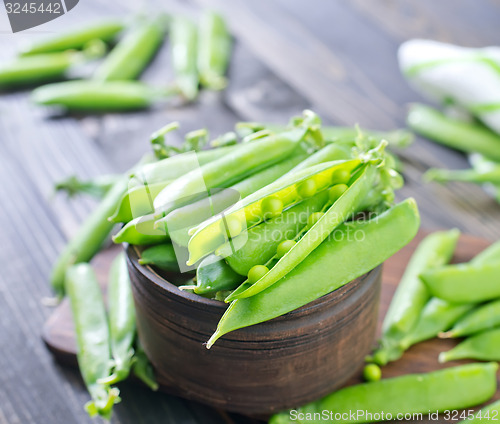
133, 53
412, 295
214, 50
464, 136
92, 335
78, 39
345, 206
448, 389
397, 226
482, 346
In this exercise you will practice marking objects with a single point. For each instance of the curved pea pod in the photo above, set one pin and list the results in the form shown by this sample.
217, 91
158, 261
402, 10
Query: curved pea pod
78, 39
141, 231
490, 412
346, 205
262, 240
214, 50
249, 158
464, 283
121, 320
207, 237
89, 237
92, 337
97, 96
137, 201
37, 69
412, 295
163, 256
178, 165
214, 275
131, 55
482, 346
447, 389
482, 318
180, 220
382, 237
184, 42
489, 255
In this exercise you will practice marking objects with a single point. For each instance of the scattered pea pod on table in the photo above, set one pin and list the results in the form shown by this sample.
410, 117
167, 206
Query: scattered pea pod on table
133, 53
397, 226
487, 414
214, 50
447, 389
97, 96
92, 336
464, 136
78, 39
412, 295
184, 45
483, 346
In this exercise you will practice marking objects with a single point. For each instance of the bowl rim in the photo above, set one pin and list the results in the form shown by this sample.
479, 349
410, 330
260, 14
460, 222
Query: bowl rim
148, 272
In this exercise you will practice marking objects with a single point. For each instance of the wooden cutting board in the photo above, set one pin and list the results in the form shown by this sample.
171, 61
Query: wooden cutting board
58, 331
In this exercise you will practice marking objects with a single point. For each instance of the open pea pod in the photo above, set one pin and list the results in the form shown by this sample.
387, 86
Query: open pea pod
209, 235
341, 209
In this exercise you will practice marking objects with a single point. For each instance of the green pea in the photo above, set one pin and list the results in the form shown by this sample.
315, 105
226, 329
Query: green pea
307, 189
336, 191
284, 247
231, 226
256, 273
341, 176
271, 206
372, 372
313, 218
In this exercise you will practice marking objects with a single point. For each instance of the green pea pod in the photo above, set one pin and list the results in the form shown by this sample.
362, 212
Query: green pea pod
132, 54
137, 201
483, 346
163, 256
262, 240
465, 175
143, 369
489, 255
122, 327
89, 237
437, 316
490, 412
184, 42
96, 96
214, 275
482, 318
37, 69
194, 213
92, 337
412, 295
222, 172
78, 39
396, 227
141, 232
96, 187
460, 135
214, 50
207, 237
448, 389
175, 166
464, 283
345, 206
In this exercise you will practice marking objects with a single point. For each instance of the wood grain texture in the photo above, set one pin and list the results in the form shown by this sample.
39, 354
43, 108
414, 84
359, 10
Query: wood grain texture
356, 41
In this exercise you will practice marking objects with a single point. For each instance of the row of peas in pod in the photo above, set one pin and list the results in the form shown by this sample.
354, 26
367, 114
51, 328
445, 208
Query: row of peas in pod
200, 55
253, 210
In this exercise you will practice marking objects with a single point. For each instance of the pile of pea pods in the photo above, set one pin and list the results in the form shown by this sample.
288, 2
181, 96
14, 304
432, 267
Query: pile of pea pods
200, 56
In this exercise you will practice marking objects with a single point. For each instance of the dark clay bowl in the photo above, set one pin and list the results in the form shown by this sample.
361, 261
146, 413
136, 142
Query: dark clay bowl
258, 370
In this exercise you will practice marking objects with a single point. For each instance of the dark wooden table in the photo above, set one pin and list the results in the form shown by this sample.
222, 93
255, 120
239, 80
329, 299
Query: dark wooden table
336, 57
